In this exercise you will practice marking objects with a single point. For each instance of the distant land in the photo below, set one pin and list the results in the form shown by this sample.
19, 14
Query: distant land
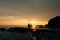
8, 26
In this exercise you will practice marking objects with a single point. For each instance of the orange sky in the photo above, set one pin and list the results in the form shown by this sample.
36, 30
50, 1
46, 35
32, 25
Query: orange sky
11, 20
22, 12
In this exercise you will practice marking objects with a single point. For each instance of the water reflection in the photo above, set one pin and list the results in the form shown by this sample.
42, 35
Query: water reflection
34, 38
32, 35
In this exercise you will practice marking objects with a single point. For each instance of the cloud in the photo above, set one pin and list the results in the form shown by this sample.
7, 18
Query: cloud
30, 9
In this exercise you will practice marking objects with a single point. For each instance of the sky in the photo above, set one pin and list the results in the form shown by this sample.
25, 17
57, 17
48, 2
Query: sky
21, 12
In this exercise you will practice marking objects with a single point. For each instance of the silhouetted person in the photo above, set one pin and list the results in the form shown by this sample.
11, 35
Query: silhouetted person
29, 26
54, 22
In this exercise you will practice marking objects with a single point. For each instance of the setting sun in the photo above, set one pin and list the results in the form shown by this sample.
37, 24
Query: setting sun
33, 24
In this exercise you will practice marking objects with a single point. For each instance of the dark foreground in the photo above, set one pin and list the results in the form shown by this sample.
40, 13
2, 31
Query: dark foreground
30, 35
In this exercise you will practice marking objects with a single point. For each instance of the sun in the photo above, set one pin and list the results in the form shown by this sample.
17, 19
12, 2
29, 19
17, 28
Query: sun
33, 24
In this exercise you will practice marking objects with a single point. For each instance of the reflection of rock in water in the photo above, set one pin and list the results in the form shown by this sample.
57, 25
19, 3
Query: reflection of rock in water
31, 37
34, 35
34, 38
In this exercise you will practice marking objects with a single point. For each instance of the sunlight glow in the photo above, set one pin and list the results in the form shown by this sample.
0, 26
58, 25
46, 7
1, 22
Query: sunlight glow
33, 24
13, 20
